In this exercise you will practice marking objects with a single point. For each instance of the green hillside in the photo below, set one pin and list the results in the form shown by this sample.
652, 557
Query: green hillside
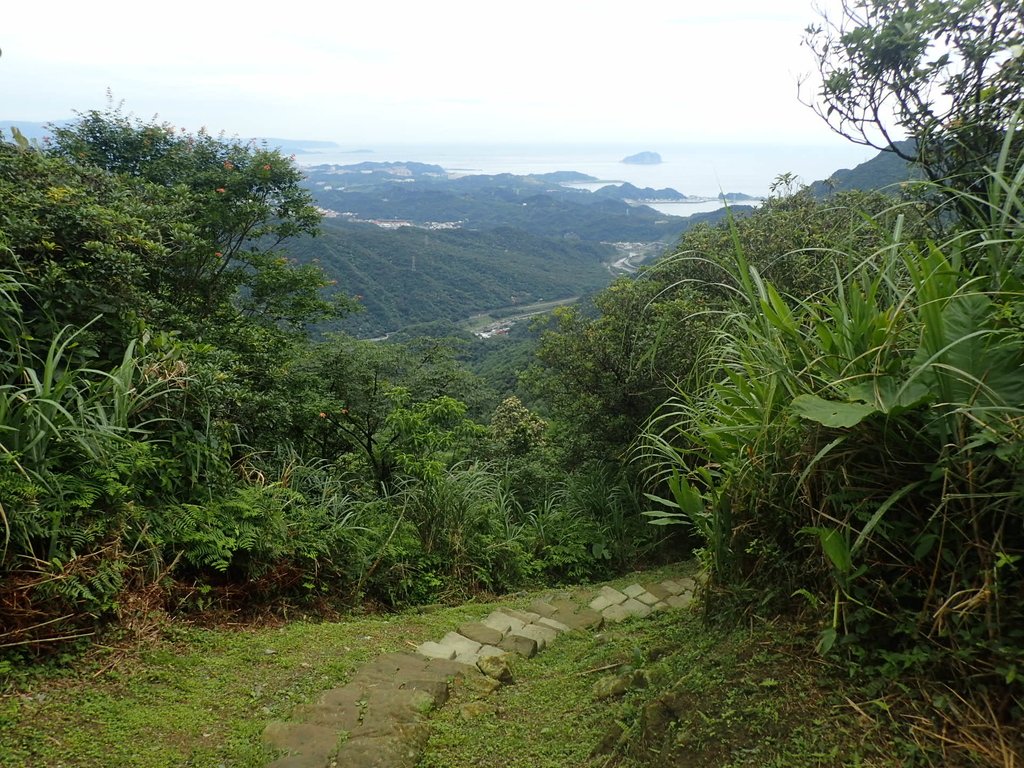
885, 172
409, 276
419, 246
536, 205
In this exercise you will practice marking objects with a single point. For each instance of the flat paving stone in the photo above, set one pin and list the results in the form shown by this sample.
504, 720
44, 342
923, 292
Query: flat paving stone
395, 697
501, 622
433, 650
647, 598
636, 608
460, 643
633, 590
515, 643
542, 608
680, 602
380, 712
436, 686
303, 738
301, 761
468, 658
554, 624
585, 618
673, 587
544, 636
600, 602
348, 696
615, 613
657, 590
336, 718
689, 585
527, 617
614, 596
410, 670
661, 605
529, 633
399, 750
481, 633
565, 605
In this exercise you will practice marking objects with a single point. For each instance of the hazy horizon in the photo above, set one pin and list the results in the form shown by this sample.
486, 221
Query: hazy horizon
404, 72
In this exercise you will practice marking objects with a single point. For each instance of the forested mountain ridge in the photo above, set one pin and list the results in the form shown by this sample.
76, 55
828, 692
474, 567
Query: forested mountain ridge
420, 245
539, 205
885, 171
409, 275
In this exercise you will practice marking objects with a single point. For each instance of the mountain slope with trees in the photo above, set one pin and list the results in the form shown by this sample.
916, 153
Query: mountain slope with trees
418, 246
887, 171
409, 276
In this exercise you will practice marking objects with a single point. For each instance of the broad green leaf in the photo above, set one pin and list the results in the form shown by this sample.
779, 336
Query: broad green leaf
658, 517
889, 396
833, 543
831, 413
826, 640
687, 497
924, 545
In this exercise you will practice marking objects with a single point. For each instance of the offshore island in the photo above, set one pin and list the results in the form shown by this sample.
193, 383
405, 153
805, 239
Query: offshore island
643, 158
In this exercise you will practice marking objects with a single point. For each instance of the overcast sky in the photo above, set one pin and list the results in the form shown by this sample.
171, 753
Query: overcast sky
400, 71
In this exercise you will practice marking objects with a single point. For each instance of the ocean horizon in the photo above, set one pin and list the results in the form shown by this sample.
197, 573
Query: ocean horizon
703, 170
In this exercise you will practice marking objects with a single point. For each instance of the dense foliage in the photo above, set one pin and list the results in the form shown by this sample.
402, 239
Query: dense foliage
410, 276
443, 247
844, 431
945, 73
605, 369
856, 452
169, 430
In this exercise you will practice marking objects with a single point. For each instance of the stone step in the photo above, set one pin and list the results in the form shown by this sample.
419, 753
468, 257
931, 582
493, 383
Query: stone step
527, 617
314, 741
607, 597
658, 590
460, 644
482, 633
433, 650
554, 624
633, 590
520, 644
378, 719
583, 619
544, 636
401, 749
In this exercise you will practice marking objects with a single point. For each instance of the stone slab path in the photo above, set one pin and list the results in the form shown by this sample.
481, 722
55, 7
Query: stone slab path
379, 718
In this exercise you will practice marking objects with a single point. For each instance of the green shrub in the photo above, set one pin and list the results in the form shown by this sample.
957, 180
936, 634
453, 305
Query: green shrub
861, 449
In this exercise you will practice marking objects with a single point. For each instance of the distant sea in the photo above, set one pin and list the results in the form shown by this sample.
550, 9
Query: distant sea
694, 170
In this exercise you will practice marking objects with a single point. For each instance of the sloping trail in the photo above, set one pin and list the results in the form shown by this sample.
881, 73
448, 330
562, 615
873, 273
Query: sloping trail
168, 692
427, 688
379, 719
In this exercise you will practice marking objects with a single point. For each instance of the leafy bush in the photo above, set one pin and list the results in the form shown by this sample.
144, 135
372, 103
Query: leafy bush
862, 448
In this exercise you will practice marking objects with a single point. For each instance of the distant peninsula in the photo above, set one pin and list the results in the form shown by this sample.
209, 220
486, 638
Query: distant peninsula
627, 191
643, 158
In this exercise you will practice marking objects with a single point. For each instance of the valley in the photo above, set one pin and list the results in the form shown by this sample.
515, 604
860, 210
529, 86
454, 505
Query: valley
417, 244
